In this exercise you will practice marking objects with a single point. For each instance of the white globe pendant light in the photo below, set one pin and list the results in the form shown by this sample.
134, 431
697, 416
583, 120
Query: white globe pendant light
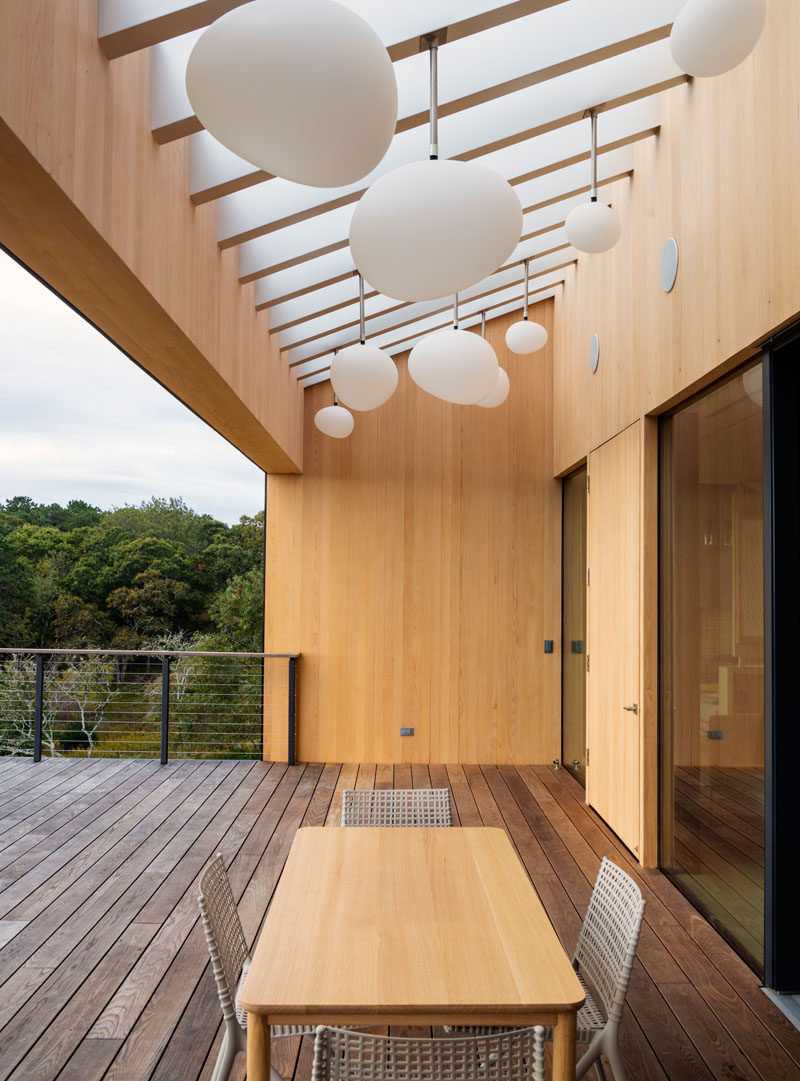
363, 376
432, 228
500, 392
593, 227
501, 387
304, 90
525, 336
335, 421
710, 37
454, 365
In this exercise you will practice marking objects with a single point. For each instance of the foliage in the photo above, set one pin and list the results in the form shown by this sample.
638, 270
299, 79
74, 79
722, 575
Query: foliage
77, 577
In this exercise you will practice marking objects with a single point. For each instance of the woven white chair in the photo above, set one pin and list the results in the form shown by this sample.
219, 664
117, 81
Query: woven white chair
230, 962
397, 807
512, 1055
604, 954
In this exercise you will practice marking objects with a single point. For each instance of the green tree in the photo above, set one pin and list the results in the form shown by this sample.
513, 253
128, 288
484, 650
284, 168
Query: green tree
238, 614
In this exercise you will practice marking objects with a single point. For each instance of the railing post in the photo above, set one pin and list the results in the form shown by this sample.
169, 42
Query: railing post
38, 708
165, 666
290, 756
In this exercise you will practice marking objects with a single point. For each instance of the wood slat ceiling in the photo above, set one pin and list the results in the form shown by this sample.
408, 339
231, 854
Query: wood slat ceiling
515, 83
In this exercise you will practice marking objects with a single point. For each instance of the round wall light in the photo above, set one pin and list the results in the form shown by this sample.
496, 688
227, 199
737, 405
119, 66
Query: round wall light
710, 37
669, 264
594, 353
304, 90
334, 421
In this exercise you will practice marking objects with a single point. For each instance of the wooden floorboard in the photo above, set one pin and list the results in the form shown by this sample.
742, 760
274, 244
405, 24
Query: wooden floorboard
103, 966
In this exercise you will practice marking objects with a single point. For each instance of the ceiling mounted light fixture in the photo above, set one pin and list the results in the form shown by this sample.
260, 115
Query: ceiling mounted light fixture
305, 91
334, 420
501, 387
593, 227
454, 365
363, 376
432, 228
525, 337
710, 37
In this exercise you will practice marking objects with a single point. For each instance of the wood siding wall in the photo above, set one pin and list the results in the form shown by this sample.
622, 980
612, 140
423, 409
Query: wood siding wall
722, 179
415, 566
94, 206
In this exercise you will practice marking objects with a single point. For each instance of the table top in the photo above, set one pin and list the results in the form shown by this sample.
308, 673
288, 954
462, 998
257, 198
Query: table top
412, 922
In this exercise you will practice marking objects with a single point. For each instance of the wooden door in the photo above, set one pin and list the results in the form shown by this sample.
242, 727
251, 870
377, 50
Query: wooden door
613, 715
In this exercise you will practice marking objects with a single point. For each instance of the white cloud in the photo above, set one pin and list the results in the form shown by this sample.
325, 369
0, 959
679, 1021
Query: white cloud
79, 420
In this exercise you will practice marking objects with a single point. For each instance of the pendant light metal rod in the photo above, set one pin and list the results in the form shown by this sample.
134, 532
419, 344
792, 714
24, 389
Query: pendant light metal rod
361, 309
455, 312
483, 324
593, 154
525, 302
433, 49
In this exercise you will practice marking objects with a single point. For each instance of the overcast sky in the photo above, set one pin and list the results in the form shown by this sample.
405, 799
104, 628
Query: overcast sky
78, 420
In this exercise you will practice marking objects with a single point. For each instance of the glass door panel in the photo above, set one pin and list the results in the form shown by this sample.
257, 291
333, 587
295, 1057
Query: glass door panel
573, 632
712, 658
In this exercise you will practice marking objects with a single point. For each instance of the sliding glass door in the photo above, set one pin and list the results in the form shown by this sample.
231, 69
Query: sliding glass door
712, 657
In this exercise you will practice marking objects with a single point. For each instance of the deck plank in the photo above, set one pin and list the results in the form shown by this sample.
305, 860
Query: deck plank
107, 975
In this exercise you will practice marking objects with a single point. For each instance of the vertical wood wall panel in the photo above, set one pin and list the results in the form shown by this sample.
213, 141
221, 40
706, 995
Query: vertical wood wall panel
721, 178
415, 566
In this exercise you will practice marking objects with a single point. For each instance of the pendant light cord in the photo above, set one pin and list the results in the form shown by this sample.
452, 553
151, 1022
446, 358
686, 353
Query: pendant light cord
433, 49
525, 302
483, 324
593, 154
361, 309
455, 312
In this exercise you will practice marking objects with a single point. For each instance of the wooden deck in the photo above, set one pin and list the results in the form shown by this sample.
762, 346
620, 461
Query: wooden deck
104, 968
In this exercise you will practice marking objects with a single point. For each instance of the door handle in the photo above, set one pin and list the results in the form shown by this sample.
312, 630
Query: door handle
632, 709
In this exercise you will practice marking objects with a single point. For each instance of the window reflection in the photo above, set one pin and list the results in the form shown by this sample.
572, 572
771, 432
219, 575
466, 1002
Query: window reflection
712, 658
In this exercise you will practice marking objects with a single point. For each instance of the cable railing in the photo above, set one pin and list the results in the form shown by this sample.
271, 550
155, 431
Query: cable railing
162, 704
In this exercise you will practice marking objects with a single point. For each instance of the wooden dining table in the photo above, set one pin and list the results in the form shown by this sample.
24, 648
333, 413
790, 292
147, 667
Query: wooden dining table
408, 927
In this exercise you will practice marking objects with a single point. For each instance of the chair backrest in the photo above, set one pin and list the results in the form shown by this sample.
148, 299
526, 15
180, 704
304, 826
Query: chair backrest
224, 934
608, 938
397, 807
346, 1055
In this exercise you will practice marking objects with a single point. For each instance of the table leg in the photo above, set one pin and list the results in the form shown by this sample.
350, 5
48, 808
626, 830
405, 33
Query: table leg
563, 1047
257, 1047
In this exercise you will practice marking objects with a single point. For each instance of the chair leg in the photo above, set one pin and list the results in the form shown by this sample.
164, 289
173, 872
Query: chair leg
591, 1057
227, 1053
611, 1051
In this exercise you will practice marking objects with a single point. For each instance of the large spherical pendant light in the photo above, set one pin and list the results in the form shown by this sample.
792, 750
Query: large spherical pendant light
525, 336
710, 37
593, 227
304, 90
454, 365
363, 376
334, 421
432, 228
500, 392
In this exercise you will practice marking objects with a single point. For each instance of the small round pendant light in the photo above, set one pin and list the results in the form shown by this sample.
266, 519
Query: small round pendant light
593, 227
363, 376
525, 336
304, 90
432, 228
454, 365
501, 387
334, 420
710, 37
